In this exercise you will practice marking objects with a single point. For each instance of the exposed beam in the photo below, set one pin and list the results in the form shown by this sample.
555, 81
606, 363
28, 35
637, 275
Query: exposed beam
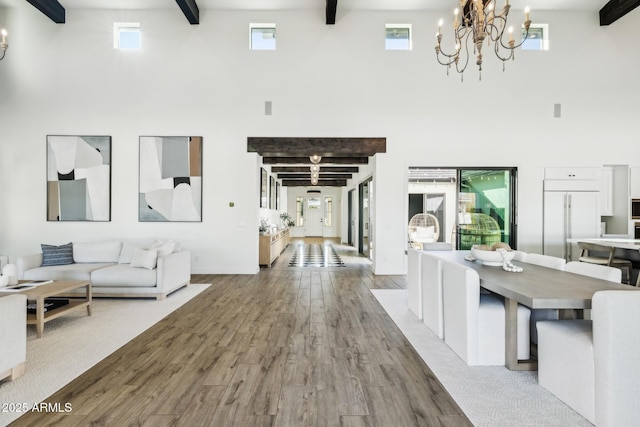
54, 10
190, 10
330, 147
616, 9
325, 160
332, 6
323, 169
321, 183
307, 175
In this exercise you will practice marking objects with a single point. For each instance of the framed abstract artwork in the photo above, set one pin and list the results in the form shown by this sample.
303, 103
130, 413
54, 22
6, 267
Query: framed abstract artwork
263, 188
78, 178
272, 192
170, 181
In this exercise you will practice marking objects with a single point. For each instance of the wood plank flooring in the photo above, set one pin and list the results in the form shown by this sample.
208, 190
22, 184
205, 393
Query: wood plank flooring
286, 347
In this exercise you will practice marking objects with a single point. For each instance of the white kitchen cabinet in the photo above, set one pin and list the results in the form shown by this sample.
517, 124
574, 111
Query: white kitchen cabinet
634, 182
606, 192
572, 173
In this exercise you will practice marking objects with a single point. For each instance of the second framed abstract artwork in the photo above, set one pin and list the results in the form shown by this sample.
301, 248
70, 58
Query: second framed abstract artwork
170, 181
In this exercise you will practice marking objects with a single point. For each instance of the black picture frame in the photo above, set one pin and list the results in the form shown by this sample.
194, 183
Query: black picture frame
263, 188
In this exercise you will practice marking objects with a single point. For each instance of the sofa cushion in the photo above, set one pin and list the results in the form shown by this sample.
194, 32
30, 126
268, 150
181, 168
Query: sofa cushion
57, 255
123, 275
64, 272
126, 255
144, 258
97, 252
164, 248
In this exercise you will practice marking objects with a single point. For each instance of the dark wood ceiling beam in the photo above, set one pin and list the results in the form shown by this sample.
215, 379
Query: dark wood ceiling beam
308, 175
616, 9
332, 7
321, 183
52, 8
323, 169
326, 147
325, 160
190, 10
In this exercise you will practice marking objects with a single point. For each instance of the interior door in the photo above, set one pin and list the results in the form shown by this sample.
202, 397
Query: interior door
313, 217
350, 218
365, 237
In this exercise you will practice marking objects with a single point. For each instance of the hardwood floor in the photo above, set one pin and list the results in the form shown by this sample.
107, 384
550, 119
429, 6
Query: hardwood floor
286, 347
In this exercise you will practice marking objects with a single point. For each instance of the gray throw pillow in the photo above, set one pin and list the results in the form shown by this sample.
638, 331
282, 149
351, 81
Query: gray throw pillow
57, 255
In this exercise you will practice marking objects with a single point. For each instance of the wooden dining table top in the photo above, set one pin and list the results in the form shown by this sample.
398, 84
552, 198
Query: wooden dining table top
537, 286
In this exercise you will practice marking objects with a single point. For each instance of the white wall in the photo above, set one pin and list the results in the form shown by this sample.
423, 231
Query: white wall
323, 81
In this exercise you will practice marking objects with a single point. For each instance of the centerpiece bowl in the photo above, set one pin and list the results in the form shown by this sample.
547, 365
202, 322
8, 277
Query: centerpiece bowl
488, 256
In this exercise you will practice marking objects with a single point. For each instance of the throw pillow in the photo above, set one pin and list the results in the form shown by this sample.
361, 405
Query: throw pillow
164, 248
57, 255
144, 258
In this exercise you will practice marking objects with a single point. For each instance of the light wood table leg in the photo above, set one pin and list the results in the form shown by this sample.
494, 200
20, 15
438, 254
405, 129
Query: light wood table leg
40, 316
89, 299
511, 339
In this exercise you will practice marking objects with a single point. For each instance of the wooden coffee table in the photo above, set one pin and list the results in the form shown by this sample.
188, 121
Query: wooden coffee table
57, 287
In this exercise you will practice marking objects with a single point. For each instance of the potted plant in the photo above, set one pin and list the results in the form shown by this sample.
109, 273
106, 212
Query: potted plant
286, 219
264, 225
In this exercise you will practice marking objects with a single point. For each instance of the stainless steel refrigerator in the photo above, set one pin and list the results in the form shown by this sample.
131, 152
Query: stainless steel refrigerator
571, 211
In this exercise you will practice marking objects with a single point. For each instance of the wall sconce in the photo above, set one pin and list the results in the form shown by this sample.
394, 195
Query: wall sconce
3, 45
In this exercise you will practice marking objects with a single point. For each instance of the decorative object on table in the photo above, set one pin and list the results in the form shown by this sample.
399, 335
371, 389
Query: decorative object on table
479, 23
11, 271
264, 225
423, 228
170, 179
78, 178
49, 304
494, 255
4, 281
286, 220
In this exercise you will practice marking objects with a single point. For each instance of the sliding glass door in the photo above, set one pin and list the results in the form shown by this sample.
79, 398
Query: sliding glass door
486, 207
471, 205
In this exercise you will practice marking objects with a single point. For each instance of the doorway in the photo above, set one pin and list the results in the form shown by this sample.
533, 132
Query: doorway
351, 227
365, 236
313, 216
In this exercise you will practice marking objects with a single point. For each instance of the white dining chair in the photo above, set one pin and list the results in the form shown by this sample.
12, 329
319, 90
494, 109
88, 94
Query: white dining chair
414, 287
592, 365
546, 261
432, 309
543, 313
474, 323
603, 272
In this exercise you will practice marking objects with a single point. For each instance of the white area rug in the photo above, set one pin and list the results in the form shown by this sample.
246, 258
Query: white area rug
490, 396
74, 343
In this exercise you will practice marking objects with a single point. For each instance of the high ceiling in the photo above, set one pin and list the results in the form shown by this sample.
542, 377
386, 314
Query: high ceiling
594, 5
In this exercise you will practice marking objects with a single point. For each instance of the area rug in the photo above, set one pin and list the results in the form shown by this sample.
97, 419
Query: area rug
315, 255
74, 343
490, 396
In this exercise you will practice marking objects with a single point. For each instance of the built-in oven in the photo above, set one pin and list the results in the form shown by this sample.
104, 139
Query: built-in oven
635, 208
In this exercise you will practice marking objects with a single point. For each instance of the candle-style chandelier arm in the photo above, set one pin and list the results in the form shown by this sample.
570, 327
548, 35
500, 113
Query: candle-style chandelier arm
479, 21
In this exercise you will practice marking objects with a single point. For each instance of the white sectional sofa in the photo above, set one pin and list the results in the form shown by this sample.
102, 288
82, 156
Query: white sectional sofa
13, 336
114, 268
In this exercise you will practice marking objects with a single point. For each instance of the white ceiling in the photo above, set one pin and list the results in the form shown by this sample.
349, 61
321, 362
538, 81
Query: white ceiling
315, 4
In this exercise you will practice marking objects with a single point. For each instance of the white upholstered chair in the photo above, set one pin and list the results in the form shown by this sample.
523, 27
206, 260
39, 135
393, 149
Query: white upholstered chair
432, 312
13, 336
592, 365
603, 272
474, 323
544, 313
546, 261
414, 287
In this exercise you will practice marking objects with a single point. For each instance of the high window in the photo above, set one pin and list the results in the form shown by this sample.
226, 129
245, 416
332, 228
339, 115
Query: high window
538, 37
397, 37
262, 36
127, 36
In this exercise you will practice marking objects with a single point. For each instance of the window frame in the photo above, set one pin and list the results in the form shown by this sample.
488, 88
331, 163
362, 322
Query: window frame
388, 27
262, 26
131, 27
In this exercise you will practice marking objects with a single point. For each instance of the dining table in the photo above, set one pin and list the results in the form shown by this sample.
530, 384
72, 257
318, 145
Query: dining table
535, 287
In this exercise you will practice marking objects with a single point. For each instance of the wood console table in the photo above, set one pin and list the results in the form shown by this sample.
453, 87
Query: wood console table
272, 245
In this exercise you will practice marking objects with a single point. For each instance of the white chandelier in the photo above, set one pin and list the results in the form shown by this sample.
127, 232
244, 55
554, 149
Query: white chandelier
3, 45
479, 22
